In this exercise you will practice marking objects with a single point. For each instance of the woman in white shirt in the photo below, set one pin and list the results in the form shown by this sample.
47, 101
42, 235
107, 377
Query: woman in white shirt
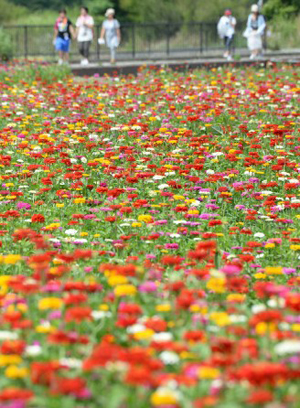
111, 32
84, 34
226, 28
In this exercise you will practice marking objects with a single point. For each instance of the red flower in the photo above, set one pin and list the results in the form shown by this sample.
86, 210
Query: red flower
14, 393
260, 397
38, 218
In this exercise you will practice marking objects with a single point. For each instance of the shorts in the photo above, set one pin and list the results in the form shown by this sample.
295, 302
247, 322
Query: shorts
62, 45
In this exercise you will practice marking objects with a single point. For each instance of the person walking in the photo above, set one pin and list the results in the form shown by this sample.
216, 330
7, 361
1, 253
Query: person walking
63, 32
84, 34
226, 29
110, 33
254, 32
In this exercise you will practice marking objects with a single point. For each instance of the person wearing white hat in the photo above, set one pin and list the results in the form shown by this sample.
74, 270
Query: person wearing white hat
255, 29
110, 33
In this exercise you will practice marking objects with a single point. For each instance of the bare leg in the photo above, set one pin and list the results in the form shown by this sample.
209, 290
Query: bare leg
60, 57
112, 55
66, 57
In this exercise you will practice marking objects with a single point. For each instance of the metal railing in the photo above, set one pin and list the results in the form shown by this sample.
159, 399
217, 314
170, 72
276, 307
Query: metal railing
139, 41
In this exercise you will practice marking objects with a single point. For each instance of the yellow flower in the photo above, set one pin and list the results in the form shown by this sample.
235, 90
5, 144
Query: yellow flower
295, 247
45, 329
262, 328
220, 318
260, 275
103, 307
80, 200
164, 396
7, 359
117, 280
208, 373
136, 224
3, 284
125, 290
12, 259
270, 245
146, 218
60, 205
84, 234
273, 270
235, 297
50, 303
144, 334
13, 371
52, 226
166, 307
217, 285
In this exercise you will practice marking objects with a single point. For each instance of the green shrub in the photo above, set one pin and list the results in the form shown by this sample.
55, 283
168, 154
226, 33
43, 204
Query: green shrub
6, 48
284, 33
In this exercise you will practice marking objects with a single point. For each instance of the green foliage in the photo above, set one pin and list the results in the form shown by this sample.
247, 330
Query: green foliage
285, 33
36, 71
10, 11
281, 8
44, 4
97, 8
6, 49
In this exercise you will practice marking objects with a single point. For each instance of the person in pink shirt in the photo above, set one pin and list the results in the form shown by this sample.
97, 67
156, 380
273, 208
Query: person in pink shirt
63, 32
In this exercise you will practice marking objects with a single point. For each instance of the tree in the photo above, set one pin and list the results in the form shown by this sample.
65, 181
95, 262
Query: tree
281, 8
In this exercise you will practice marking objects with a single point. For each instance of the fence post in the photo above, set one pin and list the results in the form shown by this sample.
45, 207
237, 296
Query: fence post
206, 39
167, 39
201, 38
133, 39
25, 41
97, 44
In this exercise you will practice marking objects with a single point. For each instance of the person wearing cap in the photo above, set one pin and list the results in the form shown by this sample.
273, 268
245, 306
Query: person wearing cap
110, 33
255, 29
226, 28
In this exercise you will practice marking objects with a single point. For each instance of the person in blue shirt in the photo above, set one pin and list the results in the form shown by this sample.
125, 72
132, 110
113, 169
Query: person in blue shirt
255, 29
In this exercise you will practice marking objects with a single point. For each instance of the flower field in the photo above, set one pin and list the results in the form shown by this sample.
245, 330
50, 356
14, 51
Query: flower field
150, 239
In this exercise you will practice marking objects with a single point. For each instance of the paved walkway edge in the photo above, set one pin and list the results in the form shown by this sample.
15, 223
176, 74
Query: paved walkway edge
133, 68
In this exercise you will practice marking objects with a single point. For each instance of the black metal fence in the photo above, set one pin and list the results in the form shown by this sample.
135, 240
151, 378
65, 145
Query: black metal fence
139, 41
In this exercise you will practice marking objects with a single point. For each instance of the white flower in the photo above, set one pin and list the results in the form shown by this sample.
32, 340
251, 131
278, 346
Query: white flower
71, 231
83, 160
288, 347
100, 314
80, 241
169, 357
175, 235
162, 186
162, 337
8, 335
237, 318
54, 240
71, 362
33, 351
210, 171
258, 308
158, 177
259, 235
136, 328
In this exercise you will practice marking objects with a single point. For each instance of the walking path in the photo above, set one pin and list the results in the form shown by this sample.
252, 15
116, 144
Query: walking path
133, 66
